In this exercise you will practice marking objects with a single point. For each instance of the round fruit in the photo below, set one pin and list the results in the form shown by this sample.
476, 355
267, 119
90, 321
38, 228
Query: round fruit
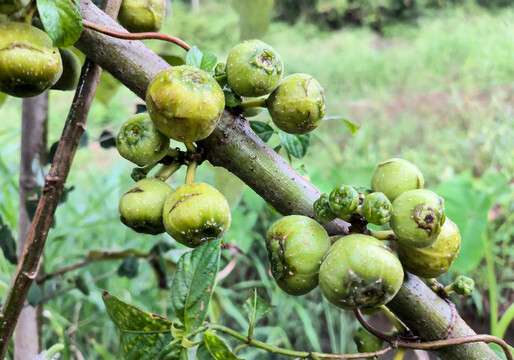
360, 272
344, 200
434, 260
296, 245
297, 105
367, 342
322, 211
141, 206
396, 176
71, 68
9, 7
141, 15
253, 68
195, 213
417, 217
376, 208
140, 142
29, 64
185, 103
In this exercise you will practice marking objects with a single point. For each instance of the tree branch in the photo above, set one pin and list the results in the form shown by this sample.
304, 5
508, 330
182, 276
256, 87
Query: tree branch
234, 146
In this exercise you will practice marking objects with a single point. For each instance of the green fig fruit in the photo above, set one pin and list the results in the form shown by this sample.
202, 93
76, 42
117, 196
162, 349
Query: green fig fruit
322, 211
141, 206
253, 68
296, 245
360, 272
463, 285
29, 63
366, 341
417, 217
396, 176
434, 260
142, 15
344, 200
71, 68
185, 103
139, 141
297, 105
195, 213
376, 208
9, 7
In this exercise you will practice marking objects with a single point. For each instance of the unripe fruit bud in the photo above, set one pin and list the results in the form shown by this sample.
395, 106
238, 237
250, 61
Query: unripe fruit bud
434, 260
139, 141
322, 211
141, 15
360, 272
71, 68
185, 103
367, 342
296, 245
29, 63
376, 208
396, 176
464, 285
253, 68
9, 7
297, 105
344, 200
417, 217
195, 213
141, 206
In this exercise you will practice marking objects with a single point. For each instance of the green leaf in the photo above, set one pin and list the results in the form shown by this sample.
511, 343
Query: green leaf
142, 335
193, 284
173, 352
351, 126
209, 63
262, 130
256, 308
217, 347
61, 20
129, 267
202, 353
205, 61
8, 243
231, 98
296, 145
497, 349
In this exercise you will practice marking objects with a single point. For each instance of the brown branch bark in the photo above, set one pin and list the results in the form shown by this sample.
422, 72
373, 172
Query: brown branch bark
26, 270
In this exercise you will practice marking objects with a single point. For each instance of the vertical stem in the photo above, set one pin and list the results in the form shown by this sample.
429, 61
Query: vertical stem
191, 172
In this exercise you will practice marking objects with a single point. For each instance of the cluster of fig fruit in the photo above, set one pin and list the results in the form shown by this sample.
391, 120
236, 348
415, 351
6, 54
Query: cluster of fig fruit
358, 271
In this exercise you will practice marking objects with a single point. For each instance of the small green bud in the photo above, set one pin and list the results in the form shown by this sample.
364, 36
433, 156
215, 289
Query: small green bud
322, 211
185, 103
417, 217
296, 245
464, 285
220, 69
139, 141
376, 208
141, 15
297, 105
344, 200
396, 176
367, 342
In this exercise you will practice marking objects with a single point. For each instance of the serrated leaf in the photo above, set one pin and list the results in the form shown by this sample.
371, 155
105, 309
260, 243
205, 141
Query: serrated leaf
8, 244
217, 347
262, 130
81, 285
129, 267
194, 57
107, 139
208, 63
256, 309
193, 284
497, 349
296, 145
61, 20
142, 335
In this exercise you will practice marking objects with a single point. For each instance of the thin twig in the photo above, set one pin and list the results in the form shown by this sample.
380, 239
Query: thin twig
137, 36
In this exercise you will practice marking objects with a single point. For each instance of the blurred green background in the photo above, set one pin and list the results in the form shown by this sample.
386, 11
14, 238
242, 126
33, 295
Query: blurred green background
429, 81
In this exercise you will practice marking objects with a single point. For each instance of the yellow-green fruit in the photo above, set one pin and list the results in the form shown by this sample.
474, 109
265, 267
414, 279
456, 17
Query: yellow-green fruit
395, 176
360, 272
9, 7
434, 260
185, 103
71, 68
142, 15
195, 213
141, 206
29, 63
297, 105
296, 245
417, 217
253, 68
